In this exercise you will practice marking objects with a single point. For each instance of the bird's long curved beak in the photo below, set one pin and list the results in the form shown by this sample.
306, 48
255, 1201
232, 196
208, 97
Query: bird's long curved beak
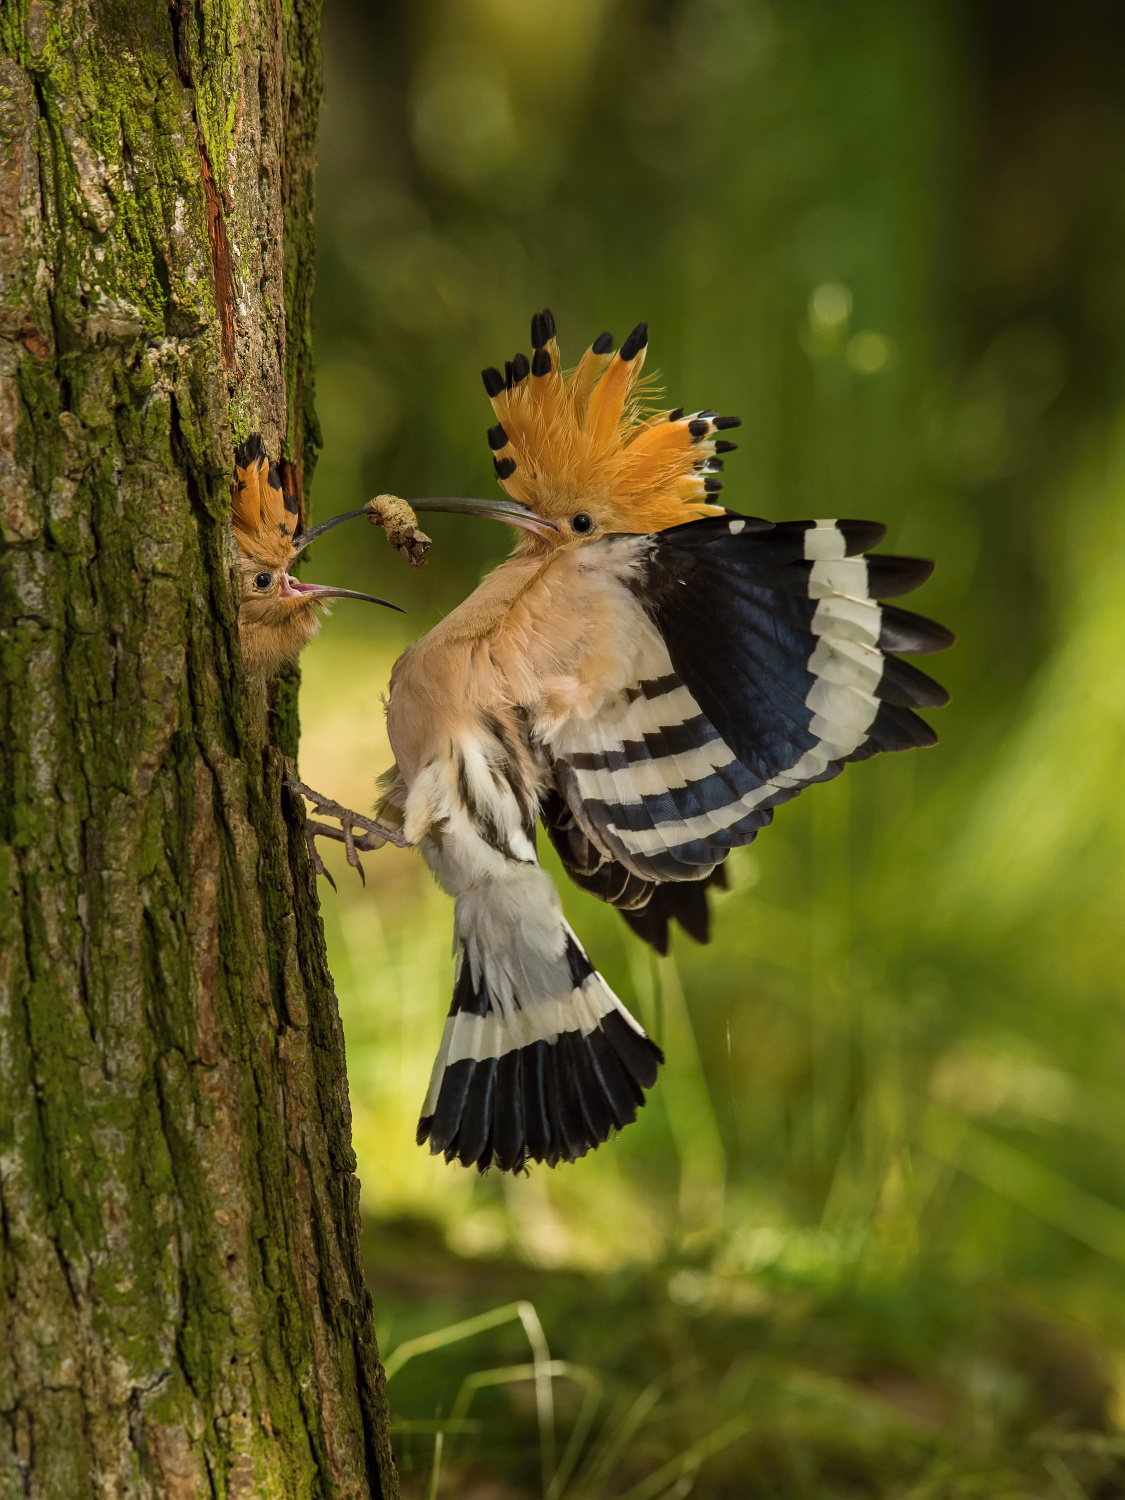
490, 510
293, 588
310, 536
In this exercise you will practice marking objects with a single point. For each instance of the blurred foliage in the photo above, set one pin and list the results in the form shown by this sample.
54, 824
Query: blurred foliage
877, 1196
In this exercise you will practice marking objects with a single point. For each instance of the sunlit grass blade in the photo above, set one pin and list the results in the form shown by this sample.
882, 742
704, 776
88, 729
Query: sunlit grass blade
435, 1471
453, 1334
540, 1370
607, 1452
1019, 1177
1068, 1486
690, 1110
544, 1391
580, 1432
451, 1425
556, 1369
691, 1459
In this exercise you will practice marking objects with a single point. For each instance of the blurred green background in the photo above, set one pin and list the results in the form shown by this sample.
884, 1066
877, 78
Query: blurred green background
868, 1236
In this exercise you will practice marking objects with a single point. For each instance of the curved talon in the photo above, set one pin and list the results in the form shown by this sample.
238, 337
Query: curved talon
311, 831
376, 835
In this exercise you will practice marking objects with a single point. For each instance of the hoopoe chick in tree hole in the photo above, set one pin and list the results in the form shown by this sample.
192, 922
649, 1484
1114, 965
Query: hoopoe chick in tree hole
277, 614
650, 675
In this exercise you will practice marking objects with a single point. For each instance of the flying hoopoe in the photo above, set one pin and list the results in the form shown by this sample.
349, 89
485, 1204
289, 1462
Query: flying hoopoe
278, 615
651, 675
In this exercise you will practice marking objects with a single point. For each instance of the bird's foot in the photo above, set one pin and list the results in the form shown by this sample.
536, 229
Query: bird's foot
375, 836
401, 525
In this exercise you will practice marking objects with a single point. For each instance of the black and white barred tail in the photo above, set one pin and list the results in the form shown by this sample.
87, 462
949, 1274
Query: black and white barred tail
537, 1077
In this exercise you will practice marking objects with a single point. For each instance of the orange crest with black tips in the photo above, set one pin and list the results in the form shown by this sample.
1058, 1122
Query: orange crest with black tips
564, 442
264, 517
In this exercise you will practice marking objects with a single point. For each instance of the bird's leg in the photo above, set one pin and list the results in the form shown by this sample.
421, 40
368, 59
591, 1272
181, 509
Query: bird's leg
376, 835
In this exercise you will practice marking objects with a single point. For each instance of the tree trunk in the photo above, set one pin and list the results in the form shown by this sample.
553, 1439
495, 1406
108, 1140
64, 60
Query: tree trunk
182, 1306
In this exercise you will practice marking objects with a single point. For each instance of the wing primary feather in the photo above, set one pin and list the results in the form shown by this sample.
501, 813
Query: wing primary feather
888, 577
897, 728
912, 635
685, 901
907, 687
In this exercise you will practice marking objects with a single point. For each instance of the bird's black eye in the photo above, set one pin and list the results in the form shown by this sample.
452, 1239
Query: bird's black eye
581, 523
263, 581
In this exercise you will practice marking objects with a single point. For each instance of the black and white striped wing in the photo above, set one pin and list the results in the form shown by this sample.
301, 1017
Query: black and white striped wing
771, 664
647, 906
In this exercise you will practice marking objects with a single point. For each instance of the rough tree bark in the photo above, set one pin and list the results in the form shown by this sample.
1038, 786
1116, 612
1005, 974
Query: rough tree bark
182, 1307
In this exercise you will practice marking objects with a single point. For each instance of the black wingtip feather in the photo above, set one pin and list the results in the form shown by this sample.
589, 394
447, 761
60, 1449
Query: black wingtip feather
493, 381
896, 728
888, 577
684, 901
908, 634
602, 344
907, 687
861, 536
650, 923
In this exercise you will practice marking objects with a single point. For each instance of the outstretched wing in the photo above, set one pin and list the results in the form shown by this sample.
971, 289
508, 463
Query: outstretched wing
769, 666
648, 906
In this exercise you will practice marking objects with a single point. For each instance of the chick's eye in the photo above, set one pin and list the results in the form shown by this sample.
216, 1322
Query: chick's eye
263, 580
582, 523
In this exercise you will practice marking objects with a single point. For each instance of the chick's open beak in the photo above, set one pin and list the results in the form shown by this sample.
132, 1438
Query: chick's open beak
293, 588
